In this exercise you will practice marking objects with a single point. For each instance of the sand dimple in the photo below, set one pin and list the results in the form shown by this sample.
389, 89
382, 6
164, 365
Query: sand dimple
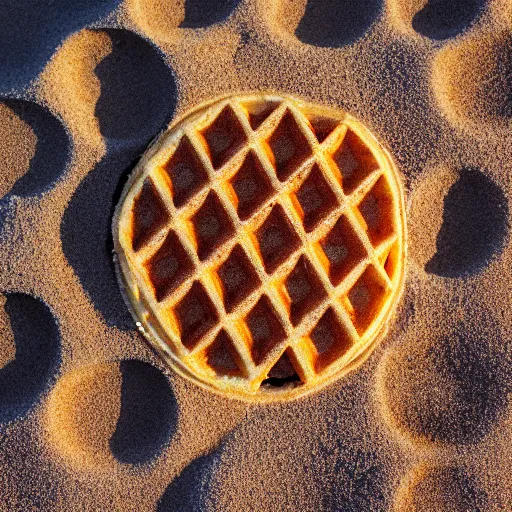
336, 22
110, 83
475, 226
157, 18
137, 89
449, 387
440, 20
435, 19
71, 86
202, 13
138, 414
189, 490
426, 214
149, 414
160, 18
472, 81
36, 358
440, 488
73, 426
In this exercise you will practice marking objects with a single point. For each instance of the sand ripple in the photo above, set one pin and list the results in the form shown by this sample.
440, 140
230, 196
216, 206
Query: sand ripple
115, 92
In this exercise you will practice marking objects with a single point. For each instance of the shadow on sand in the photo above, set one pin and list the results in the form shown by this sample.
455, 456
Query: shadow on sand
138, 97
37, 360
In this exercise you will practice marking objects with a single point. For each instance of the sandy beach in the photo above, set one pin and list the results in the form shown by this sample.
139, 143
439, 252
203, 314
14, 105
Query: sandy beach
90, 416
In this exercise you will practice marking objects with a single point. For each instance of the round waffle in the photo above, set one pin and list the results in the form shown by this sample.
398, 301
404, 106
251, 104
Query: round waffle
260, 244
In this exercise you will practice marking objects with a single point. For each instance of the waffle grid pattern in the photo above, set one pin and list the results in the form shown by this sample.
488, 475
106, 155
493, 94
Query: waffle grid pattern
257, 285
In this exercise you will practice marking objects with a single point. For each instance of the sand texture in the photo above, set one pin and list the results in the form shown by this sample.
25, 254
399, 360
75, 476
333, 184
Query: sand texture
90, 417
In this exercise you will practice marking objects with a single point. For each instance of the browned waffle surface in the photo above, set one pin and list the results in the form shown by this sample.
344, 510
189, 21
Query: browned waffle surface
261, 245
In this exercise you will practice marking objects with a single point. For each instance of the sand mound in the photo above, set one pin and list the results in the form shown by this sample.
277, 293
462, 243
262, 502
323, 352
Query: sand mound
448, 387
71, 86
75, 429
472, 81
18, 148
431, 489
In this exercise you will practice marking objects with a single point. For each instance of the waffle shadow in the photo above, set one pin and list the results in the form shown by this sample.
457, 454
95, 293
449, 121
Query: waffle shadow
475, 226
337, 22
202, 13
138, 97
53, 148
441, 19
38, 354
149, 414
87, 239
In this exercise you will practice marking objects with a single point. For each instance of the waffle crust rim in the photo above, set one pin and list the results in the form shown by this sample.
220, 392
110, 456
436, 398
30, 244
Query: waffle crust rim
127, 281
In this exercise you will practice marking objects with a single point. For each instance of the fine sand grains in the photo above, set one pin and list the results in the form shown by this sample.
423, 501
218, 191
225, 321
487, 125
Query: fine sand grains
89, 417
472, 81
73, 88
7, 345
18, 148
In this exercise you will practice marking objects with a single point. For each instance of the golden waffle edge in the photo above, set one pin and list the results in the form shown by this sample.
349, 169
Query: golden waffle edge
260, 245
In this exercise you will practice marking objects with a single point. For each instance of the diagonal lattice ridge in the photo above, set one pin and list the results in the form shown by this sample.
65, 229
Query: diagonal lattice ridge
261, 245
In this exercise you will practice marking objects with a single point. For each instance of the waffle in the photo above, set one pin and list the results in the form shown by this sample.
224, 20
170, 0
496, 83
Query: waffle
260, 245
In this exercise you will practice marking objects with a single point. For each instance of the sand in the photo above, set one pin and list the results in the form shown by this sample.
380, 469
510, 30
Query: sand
90, 419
